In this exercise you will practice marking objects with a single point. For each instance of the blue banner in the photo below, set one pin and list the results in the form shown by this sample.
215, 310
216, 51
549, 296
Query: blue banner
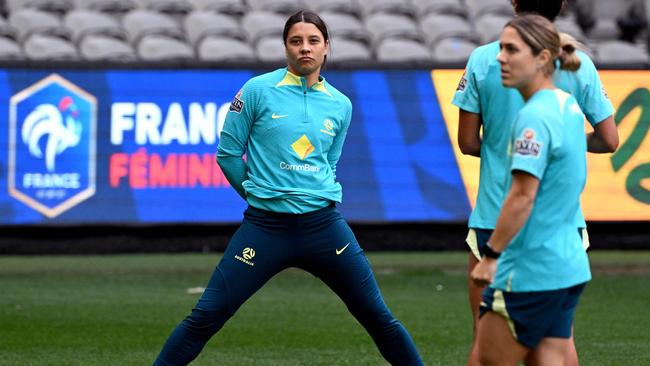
138, 147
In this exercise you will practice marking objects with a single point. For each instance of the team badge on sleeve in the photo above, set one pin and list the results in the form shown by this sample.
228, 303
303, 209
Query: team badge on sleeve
237, 104
463, 82
602, 89
526, 144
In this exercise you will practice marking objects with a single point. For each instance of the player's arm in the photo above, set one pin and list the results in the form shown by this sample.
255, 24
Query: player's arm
469, 133
334, 153
599, 110
234, 140
604, 137
466, 98
514, 214
528, 164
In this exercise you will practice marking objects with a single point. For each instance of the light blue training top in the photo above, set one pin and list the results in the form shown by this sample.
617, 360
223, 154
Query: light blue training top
480, 91
547, 141
292, 136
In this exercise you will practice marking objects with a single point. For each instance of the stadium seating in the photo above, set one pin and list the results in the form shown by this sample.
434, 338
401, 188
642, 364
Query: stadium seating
6, 30
346, 26
349, 7
28, 21
139, 23
383, 25
441, 7
453, 50
167, 6
213, 48
158, 47
108, 6
621, 53
46, 47
345, 50
285, 7
568, 25
361, 30
97, 47
83, 22
54, 6
402, 50
10, 50
258, 24
480, 8
604, 14
229, 7
436, 27
489, 26
270, 49
370, 7
200, 24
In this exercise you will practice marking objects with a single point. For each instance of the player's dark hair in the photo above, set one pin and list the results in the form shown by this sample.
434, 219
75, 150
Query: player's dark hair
549, 9
306, 16
540, 34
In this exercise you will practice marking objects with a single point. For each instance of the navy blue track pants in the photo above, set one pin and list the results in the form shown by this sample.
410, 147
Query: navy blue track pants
266, 243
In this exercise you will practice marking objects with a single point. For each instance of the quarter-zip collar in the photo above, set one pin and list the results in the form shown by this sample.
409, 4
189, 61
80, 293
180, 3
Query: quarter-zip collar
295, 80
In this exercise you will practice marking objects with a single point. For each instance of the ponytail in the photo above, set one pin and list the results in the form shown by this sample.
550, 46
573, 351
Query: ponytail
569, 59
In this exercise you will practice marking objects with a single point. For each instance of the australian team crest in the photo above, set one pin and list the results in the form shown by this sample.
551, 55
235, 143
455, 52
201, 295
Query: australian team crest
52, 145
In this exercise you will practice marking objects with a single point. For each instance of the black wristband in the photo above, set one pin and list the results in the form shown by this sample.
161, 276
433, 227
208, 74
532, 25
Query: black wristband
489, 252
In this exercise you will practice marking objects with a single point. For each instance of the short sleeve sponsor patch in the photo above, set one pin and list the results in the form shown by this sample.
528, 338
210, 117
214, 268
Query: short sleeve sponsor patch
526, 144
237, 104
463, 82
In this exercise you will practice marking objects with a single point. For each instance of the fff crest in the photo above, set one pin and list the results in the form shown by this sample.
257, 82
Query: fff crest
52, 145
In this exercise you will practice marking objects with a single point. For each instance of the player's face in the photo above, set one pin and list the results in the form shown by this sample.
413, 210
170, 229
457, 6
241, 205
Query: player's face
518, 64
306, 49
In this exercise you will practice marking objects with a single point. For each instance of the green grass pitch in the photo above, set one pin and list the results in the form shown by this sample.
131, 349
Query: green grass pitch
118, 310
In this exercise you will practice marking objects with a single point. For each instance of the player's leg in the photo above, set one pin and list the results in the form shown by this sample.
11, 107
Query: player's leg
476, 239
250, 260
559, 336
496, 345
331, 252
549, 352
570, 352
474, 292
569, 357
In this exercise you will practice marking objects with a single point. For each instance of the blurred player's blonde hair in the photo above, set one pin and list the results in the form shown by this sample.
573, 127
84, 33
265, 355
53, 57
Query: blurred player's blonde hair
540, 34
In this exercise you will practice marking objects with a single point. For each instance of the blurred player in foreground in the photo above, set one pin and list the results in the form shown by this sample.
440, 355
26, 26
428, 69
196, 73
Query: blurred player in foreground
485, 103
534, 260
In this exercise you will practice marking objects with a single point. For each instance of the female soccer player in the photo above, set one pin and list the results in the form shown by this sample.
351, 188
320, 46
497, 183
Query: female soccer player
291, 124
542, 266
484, 102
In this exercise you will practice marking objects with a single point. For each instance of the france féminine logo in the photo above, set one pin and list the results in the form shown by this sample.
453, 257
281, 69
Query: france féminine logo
52, 147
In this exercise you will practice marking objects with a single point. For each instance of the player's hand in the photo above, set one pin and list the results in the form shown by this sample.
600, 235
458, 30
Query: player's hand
483, 272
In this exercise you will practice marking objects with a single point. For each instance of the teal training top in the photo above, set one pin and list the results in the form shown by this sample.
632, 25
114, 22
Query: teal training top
292, 136
480, 91
547, 142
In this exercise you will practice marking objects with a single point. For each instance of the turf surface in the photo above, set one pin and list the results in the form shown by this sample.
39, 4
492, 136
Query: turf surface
118, 310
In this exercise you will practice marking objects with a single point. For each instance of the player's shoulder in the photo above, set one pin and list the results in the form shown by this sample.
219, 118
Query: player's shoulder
550, 105
584, 56
338, 95
586, 63
483, 55
539, 106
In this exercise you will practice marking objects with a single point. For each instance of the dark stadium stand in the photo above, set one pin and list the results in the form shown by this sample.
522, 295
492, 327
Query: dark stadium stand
432, 32
214, 238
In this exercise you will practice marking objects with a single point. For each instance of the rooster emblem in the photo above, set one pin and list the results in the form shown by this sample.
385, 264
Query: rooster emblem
60, 124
